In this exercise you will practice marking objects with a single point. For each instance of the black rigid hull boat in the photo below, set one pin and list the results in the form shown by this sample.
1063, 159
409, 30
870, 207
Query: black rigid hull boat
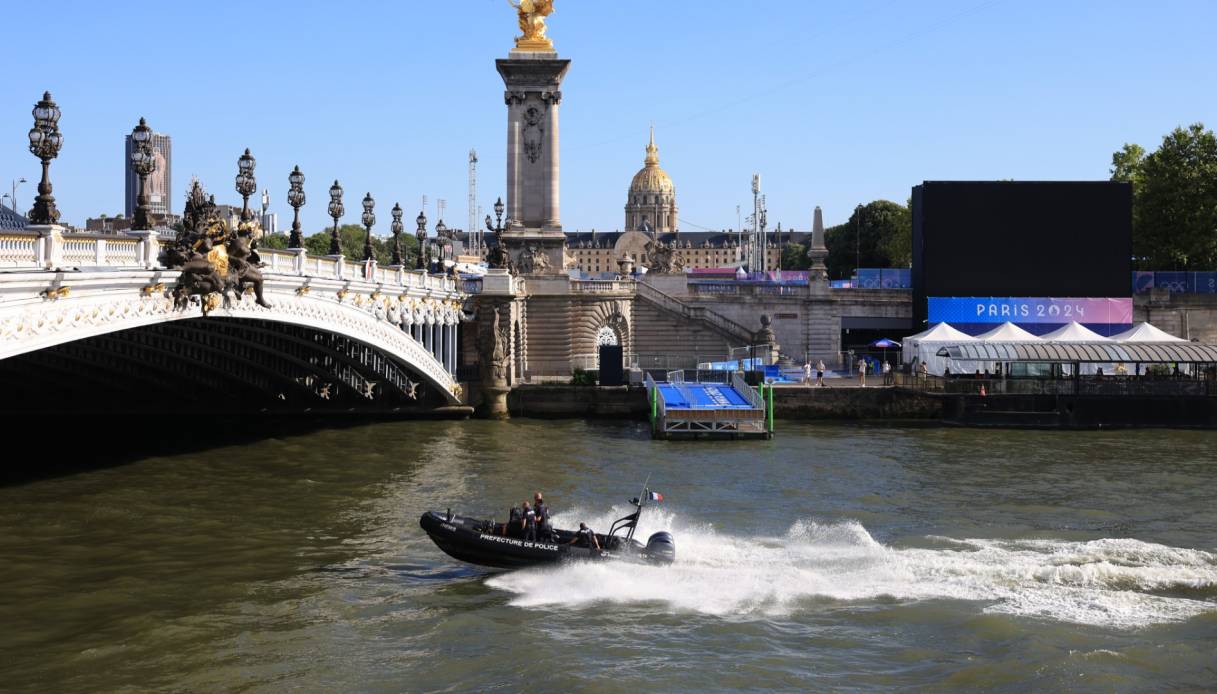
502, 545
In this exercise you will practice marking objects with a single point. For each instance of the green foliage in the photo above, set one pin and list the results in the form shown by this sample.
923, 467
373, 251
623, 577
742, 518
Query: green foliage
794, 256
1174, 199
277, 242
351, 238
580, 377
885, 239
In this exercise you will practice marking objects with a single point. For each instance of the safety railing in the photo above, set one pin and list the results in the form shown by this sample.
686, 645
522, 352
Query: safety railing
696, 313
52, 248
1085, 386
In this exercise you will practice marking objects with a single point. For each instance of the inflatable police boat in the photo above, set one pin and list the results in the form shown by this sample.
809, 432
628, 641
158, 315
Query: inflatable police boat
502, 545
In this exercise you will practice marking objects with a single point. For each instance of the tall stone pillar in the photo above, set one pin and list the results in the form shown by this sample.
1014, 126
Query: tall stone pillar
818, 251
534, 237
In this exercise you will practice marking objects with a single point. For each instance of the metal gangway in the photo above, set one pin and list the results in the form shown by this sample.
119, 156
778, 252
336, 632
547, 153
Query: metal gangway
708, 404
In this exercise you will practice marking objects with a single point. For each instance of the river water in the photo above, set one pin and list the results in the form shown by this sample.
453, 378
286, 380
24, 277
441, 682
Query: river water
832, 557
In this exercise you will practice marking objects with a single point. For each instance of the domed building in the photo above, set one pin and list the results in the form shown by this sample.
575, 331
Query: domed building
652, 196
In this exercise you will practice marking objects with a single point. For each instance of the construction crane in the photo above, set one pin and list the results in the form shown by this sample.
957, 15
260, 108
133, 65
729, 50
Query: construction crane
473, 233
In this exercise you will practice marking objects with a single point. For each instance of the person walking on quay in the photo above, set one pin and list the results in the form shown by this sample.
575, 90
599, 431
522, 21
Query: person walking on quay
888, 377
862, 371
925, 373
806, 372
820, 373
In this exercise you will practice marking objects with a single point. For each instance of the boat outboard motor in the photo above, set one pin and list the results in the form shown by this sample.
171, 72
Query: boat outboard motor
661, 548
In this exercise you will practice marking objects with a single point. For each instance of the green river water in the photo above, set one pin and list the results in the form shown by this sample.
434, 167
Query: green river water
830, 558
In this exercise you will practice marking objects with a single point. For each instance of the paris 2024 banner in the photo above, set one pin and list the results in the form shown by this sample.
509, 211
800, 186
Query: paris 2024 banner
957, 309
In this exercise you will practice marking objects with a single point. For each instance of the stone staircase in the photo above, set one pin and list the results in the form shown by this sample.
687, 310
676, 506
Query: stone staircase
665, 326
729, 329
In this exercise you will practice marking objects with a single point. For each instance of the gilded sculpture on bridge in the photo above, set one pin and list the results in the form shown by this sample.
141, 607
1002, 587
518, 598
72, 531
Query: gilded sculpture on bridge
214, 260
532, 14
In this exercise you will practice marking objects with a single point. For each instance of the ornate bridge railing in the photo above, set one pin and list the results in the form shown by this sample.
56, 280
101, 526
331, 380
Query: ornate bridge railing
56, 288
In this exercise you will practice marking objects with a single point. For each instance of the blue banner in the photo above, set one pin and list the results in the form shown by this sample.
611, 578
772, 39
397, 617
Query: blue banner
1029, 310
1176, 282
1203, 283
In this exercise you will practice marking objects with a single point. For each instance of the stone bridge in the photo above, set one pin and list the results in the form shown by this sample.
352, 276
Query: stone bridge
85, 317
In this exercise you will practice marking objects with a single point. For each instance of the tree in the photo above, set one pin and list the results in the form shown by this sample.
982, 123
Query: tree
885, 239
351, 238
1174, 199
794, 256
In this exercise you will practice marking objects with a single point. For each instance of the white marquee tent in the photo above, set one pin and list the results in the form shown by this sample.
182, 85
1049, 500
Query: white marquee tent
1073, 332
1144, 332
923, 348
1007, 332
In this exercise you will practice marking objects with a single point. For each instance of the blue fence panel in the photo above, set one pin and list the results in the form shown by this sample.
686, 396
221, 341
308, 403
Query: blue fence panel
1176, 282
869, 278
897, 278
1203, 283
1142, 281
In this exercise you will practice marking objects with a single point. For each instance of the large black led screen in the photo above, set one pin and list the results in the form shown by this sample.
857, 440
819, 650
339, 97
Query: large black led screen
1021, 239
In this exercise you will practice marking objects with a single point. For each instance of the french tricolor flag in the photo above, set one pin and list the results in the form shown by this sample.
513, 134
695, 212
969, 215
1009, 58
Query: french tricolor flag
655, 496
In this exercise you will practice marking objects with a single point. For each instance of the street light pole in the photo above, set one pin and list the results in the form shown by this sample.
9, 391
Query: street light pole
336, 210
857, 241
45, 143
295, 198
143, 163
368, 219
12, 197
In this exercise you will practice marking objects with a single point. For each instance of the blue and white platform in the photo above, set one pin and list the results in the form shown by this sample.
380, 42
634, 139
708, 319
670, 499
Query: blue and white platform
722, 406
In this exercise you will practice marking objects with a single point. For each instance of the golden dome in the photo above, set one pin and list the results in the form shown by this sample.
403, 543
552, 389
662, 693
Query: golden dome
652, 179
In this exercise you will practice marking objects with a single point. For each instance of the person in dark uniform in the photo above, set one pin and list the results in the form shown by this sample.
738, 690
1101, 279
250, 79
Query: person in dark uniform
529, 523
586, 537
542, 510
513, 518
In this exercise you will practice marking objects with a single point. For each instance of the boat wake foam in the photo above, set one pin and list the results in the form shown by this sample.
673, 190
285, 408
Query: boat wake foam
1119, 583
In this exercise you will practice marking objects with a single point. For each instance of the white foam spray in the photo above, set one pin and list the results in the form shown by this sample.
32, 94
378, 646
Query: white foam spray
1121, 583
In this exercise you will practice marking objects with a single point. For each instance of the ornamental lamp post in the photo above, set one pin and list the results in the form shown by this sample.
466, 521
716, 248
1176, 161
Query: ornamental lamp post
396, 227
438, 252
45, 143
368, 218
246, 184
295, 198
336, 211
421, 235
497, 257
143, 164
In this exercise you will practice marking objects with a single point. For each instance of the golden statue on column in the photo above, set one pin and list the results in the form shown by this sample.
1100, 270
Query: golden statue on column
532, 23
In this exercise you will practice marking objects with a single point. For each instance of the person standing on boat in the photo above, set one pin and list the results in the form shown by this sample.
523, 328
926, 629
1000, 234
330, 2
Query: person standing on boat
542, 510
587, 536
529, 523
513, 518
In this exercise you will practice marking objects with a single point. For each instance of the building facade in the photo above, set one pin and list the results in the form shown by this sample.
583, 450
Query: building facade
160, 182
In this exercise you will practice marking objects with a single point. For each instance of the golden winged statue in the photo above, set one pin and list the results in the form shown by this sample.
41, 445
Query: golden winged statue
532, 23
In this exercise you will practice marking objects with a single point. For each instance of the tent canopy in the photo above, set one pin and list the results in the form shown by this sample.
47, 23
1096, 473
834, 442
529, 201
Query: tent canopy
1007, 332
943, 332
1144, 332
1073, 332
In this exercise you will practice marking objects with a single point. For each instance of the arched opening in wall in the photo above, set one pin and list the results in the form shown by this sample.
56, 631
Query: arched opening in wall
605, 336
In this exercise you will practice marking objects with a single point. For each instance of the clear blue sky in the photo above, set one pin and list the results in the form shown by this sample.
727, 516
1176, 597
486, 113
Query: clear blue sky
834, 103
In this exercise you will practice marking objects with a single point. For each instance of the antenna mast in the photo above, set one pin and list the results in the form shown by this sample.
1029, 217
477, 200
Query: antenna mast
473, 233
